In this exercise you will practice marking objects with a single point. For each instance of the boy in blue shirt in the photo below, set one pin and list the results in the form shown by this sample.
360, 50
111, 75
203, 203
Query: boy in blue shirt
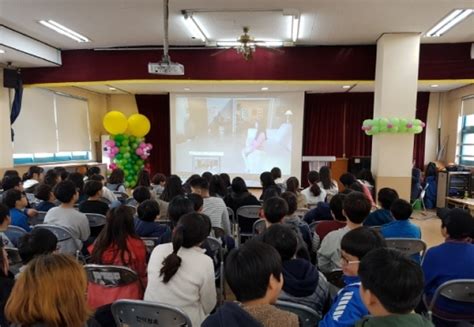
401, 210
145, 226
348, 307
16, 201
385, 197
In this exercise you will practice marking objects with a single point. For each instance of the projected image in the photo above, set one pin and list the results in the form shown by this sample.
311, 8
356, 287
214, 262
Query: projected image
233, 134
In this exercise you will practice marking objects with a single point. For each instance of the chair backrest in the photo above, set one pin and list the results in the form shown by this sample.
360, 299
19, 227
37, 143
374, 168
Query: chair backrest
39, 218
13, 256
66, 242
215, 246
259, 227
134, 209
121, 196
95, 219
105, 200
131, 202
14, 233
142, 313
217, 232
308, 317
246, 216
460, 290
312, 226
231, 215
150, 243
408, 246
110, 276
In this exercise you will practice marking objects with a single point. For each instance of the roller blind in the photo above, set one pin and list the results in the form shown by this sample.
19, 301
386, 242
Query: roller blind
73, 124
35, 128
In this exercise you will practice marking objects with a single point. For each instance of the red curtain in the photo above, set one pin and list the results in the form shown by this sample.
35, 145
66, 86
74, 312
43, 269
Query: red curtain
359, 107
157, 109
422, 104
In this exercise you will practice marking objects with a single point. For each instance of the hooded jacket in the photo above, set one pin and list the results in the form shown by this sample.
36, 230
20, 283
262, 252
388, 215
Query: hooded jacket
230, 314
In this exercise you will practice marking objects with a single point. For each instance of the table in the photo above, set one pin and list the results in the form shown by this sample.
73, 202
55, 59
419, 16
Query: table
461, 203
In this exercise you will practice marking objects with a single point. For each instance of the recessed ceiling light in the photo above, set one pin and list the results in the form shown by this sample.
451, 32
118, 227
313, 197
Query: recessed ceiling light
2, 51
187, 89
61, 29
434, 85
346, 86
112, 88
264, 88
448, 22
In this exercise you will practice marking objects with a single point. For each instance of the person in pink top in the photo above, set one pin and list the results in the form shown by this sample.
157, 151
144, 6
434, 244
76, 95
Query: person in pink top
258, 141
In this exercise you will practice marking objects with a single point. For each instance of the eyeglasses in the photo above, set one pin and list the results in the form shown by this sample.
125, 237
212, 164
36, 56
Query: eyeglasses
346, 262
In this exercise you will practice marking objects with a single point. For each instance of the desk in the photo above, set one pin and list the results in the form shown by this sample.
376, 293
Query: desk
461, 203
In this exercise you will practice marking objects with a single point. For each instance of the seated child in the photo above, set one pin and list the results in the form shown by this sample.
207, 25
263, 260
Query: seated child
40, 241
93, 190
302, 282
339, 220
385, 197
145, 226
197, 201
254, 274
4, 222
16, 201
44, 192
348, 307
296, 221
453, 259
391, 288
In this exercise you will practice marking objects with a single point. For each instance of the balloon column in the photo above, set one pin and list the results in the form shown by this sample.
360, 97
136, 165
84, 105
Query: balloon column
127, 148
392, 125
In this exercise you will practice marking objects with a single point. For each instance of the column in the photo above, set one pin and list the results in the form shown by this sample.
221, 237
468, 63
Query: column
6, 149
396, 80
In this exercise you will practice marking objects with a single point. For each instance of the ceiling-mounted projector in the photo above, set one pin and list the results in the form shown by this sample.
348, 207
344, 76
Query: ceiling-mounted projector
165, 68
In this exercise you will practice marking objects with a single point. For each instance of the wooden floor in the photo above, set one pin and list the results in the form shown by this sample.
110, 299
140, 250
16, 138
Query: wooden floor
430, 226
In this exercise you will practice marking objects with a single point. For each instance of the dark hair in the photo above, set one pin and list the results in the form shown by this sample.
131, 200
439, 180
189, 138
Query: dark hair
93, 171
118, 228
347, 179
217, 187
51, 177
10, 197
458, 223
291, 201
4, 213
64, 191
78, 180
39, 241
144, 178
187, 186
401, 209
360, 241
431, 170
207, 175
62, 172
248, 270
9, 182
336, 205
396, 280
276, 173
325, 177
179, 206
225, 179
31, 171
199, 183
357, 207
239, 186
266, 179
173, 187
148, 210
158, 178
356, 186
117, 176
313, 179
91, 188
386, 196
191, 230
43, 192
141, 193
275, 209
292, 185
97, 177
197, 200
10, 173
366, 175
283, 238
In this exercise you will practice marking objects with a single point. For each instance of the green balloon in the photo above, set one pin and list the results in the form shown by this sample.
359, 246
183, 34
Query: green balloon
403, 122
394, 129
125, 142
402, 129
375, 130
369, 133
417, 129
383, 122
417, 122
395, 121
367, 122
383, 129
126, 155
132, 138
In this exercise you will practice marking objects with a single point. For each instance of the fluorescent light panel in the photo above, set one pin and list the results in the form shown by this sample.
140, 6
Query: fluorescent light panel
230, 44
61, 29
295, 27
2, 51
194, 28
449, 22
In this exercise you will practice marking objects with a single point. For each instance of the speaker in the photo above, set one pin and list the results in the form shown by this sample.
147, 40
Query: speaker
472, 51
10, 78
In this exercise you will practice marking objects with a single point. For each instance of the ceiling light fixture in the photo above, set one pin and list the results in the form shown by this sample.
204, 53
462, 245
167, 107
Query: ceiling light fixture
346, 86
111, 88
434, 85
194, 28
449, 22
61, 29
2, 51
264, 88
295, 27
187, 89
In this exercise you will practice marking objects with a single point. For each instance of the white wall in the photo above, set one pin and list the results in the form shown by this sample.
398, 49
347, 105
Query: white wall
6, 149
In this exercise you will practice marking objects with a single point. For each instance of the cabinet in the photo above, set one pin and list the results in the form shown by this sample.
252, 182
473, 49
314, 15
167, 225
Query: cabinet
452, 184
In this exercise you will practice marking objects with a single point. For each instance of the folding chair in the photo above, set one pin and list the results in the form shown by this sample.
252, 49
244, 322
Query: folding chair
312, 226
131, 202
246, 216
66, 242
421, 198
14, 233
14, 260
259, 227
38, 219
233, 223
122, 197
105, 200
150, 243
95, 219
308, 317
218, 258
110, 276
408, 246
461, 290
138, 313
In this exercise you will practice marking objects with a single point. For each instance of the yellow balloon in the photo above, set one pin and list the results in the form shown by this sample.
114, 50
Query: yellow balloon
115, 122
138, 125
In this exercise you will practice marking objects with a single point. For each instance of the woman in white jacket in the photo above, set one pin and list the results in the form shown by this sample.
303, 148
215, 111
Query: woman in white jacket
180, 274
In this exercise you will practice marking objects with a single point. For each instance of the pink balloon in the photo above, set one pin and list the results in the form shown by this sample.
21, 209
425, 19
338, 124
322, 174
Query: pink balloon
150, 146
143, 157
113, 166
142, 145
110, 143
139, 151
116, 149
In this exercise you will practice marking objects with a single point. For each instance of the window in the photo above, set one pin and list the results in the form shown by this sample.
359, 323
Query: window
52, 127
466, 133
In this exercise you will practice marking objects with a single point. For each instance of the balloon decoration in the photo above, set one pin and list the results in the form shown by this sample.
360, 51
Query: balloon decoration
126, 147
392, 125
